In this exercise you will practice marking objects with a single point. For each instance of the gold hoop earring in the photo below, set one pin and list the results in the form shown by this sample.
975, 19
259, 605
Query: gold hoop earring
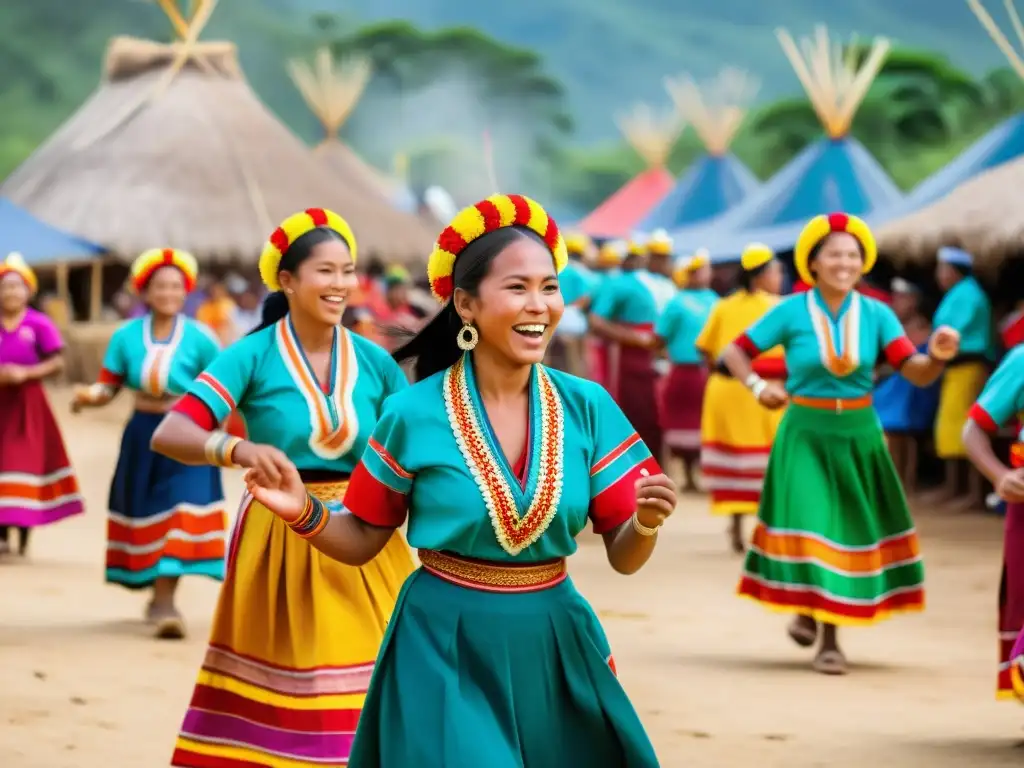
468, 337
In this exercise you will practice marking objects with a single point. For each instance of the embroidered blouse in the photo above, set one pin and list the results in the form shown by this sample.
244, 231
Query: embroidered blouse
830, 356
733, 315
136, 359
1003, 396
266, 377
434, 458
682, 322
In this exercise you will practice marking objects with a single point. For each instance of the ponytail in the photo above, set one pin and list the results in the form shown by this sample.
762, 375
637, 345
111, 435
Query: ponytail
275, 307
747, 276
435, 347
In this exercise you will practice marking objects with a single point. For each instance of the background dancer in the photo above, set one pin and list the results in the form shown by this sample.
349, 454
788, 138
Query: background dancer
488, 428
37, 484
736, 431
166, 519
295, 633
682, 397
834, 543
999, 403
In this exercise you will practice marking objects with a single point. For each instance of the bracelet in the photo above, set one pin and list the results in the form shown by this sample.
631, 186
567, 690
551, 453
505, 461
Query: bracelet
759, 387
751, 380
97, 392
313, 519
642, 529
219, 448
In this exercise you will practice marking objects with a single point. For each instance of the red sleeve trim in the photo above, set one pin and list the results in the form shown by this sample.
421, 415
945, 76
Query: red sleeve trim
373, 502
196, 410
744, 343
109, 378
980, 416
617, 503
898, 351
769, 367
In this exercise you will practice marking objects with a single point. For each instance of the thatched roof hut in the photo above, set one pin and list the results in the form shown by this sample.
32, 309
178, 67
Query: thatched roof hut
175, 148
982, 216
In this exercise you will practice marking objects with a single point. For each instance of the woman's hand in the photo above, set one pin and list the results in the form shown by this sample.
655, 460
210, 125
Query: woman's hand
285, 498
81, 398
12, 375
944, 343
655, 499
773, 396
271, 463
1010, 486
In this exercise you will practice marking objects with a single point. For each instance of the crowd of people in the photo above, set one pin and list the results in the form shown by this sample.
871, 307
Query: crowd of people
806, 410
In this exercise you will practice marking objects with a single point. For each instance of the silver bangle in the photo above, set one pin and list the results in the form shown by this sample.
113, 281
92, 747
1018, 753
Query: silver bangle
751, 380
642, 529
759, 386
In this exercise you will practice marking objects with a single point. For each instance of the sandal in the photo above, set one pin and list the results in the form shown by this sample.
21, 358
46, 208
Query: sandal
830, 662
169, 627
803, 634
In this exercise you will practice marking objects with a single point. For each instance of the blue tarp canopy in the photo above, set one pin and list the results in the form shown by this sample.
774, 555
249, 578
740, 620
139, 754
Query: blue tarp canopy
709, 187
39, 243
829, 175
1003, 143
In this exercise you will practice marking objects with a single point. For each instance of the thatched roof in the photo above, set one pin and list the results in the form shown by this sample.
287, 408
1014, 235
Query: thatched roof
982, 216
174, 148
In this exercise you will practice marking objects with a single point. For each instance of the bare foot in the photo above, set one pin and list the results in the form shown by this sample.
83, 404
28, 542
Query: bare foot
803, 630
169, 624
830, 661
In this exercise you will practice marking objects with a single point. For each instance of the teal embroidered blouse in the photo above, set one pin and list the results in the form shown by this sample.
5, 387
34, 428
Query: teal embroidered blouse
682, 322
435, 458
966, 308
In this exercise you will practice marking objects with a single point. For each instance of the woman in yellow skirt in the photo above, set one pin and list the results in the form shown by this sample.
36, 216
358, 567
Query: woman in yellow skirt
736, 431
295, 634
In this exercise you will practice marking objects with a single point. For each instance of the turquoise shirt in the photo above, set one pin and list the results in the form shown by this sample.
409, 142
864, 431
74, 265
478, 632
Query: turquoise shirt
682, 322
630, 298
434, 456
576, 282
159, 367
864, 329
966, 308
1003, 395
267, 378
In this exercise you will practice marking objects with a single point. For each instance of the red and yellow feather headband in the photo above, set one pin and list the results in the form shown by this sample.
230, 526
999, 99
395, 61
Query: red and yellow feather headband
819, 228
150, 261
291, 229
15, 264
496, 212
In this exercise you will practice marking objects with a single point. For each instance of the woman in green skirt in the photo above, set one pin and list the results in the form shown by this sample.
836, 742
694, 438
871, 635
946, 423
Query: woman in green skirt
834, 543
492, 659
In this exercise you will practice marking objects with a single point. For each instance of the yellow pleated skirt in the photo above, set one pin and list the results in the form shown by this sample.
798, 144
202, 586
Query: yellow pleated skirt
736, 434
961, 385
294, 641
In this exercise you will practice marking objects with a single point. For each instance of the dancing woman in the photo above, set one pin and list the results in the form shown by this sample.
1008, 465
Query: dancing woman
167, 520
1000, 402
834, 543
295, 633
492, 657
37, 484
736, 432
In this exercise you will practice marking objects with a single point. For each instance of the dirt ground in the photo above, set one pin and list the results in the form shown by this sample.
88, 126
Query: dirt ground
715, 679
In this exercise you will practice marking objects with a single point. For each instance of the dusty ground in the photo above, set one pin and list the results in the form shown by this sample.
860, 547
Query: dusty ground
715, 679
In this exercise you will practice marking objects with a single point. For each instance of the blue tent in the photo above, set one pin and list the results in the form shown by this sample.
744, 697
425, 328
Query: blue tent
1003, 143
709, 187
829, 175
37, 242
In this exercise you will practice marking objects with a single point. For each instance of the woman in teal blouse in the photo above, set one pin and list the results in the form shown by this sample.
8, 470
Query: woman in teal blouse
834, 543
492, 658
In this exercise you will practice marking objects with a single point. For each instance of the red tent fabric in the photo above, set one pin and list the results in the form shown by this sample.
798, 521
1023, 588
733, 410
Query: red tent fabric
617, 216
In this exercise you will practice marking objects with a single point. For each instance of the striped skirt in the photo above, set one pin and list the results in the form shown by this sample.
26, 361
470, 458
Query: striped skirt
682, 400
736, 438
167, 519
834, 539
37, 484
293, 645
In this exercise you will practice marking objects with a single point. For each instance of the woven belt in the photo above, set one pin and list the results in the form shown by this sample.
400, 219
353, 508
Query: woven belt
489, 576
333, 490
836, 404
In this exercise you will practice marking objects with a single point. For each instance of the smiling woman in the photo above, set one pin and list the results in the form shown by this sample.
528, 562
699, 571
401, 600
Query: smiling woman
497, 463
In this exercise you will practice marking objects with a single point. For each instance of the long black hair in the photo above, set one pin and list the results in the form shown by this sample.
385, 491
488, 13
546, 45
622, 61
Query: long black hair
435, 347
275, 306
748, 276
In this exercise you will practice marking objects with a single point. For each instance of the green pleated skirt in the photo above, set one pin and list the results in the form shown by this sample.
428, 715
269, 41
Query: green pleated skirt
472, 679
834, 538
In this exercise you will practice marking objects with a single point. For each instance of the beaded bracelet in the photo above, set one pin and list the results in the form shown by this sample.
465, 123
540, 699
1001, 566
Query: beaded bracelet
313, 520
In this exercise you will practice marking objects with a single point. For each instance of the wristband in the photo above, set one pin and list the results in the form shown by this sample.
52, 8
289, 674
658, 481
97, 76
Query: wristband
219, 448
313, 520
760, 386
751, 380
